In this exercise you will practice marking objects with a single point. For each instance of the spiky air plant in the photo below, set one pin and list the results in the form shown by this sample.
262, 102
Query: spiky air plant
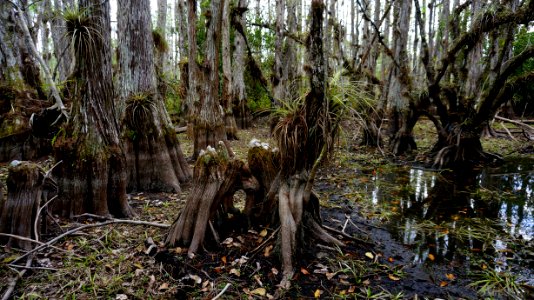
139, 111
80, 31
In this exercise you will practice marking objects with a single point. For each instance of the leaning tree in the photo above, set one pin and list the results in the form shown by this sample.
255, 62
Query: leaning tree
277, 183
154, 157
92, 175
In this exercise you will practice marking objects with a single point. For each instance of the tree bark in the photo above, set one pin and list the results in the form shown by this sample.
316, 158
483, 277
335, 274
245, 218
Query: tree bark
62, 51
209, 126
227, 79
279, 92
400, 84
92, 177
240, 107
193, 72
154, 158
19, 211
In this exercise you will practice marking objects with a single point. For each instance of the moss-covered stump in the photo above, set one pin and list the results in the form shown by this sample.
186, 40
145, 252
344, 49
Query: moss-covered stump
19, 211
216, 178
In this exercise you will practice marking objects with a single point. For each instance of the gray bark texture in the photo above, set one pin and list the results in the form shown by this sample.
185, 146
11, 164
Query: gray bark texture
209, 126
154, 158
92, 176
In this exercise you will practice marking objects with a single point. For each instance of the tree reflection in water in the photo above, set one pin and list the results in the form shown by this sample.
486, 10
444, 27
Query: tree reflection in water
456, 216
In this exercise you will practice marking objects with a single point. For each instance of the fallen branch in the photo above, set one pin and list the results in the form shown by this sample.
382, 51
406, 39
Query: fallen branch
44, 67
522, 124
113, 221
13, 283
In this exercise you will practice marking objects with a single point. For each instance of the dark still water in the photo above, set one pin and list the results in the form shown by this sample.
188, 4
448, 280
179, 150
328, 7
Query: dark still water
474, 219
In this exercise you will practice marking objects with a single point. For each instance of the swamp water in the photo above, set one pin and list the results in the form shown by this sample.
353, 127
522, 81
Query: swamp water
474, 220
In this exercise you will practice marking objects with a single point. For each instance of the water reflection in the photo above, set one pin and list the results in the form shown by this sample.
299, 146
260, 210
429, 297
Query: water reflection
449, 214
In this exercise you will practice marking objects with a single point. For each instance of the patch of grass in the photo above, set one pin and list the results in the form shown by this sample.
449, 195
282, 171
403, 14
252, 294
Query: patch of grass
491, 283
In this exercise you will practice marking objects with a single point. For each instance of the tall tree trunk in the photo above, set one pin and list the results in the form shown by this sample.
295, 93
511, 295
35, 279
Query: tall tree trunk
291, 64
240, 107
209, 126
162, 48
192, 100
312, 127
400, 84
278, 72
92, 175
154, 158
227, 80
62, 51
9, 50
181, 42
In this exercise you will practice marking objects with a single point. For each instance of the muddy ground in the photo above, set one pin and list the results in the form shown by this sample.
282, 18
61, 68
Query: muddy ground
122, 261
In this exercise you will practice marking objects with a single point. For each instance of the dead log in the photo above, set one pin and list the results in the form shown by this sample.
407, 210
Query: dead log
518, 123
19, 210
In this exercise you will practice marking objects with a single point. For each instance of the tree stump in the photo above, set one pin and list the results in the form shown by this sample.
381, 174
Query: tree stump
19, 210
216, 178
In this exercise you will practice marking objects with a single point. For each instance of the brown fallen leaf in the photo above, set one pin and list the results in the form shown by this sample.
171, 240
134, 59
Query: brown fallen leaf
329, 276
263, 233
267, 251
352, 288
393, 277
236, 272
391, 259
259, 291
431, 257
258, 279
163, 286
304, 271
450, 276
443, 284
223, 259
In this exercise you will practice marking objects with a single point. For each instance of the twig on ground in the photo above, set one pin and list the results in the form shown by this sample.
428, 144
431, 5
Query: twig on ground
38, 216
347, 218
346, 235
222, 292
28, 240
33, 268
